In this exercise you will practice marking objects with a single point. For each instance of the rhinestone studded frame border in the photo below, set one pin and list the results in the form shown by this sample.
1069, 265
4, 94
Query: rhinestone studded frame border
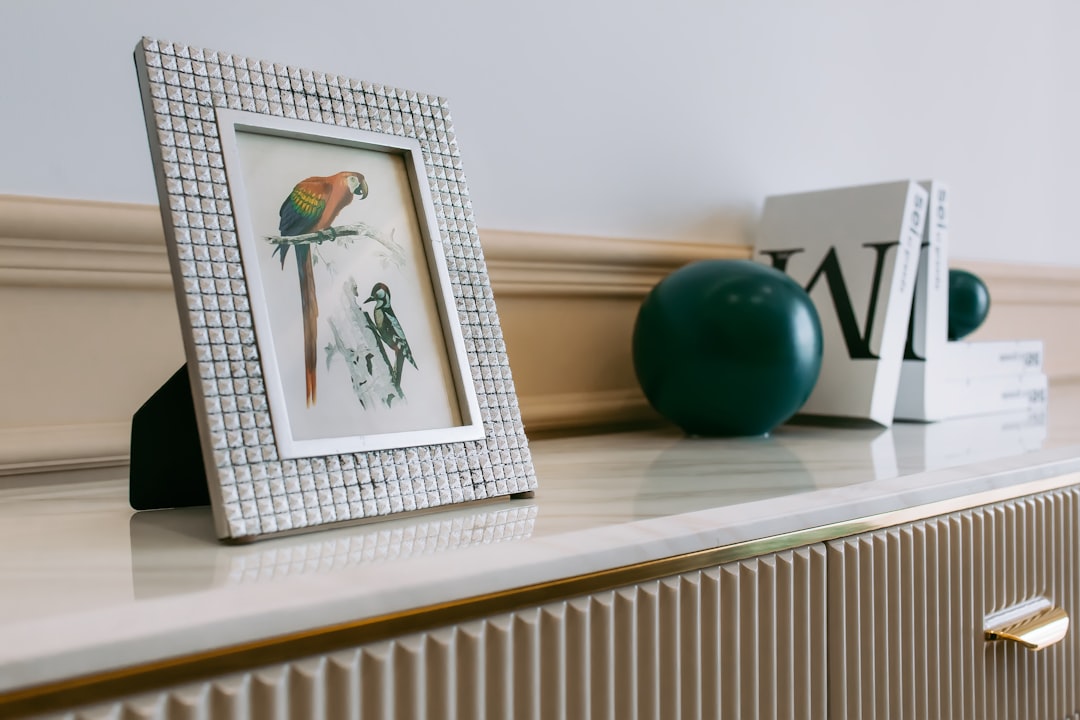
254, 492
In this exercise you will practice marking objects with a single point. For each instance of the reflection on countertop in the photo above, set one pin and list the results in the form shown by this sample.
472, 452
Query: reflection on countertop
175, 551
591, 480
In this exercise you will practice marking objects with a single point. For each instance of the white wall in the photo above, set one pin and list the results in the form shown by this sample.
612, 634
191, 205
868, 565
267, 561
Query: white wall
623, 118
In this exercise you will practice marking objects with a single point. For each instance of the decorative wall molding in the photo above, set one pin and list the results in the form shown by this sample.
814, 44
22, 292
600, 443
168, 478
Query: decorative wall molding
597, 408
58, 447
1028, 284
94, 292
534, 264
47, 242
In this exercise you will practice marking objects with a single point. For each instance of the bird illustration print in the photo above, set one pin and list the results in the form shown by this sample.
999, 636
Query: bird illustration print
389, 331
312, 206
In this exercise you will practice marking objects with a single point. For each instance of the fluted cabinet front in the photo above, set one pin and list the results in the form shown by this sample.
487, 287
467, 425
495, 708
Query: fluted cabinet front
908, 606
742, 640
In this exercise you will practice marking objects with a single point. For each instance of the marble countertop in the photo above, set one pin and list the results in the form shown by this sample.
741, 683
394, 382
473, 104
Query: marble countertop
87, 585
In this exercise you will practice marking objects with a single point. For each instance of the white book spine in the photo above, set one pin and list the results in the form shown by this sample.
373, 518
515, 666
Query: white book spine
931, 306
898, 315
928, 329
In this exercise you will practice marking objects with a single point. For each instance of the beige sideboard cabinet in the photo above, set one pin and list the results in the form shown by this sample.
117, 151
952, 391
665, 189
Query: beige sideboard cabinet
922, 571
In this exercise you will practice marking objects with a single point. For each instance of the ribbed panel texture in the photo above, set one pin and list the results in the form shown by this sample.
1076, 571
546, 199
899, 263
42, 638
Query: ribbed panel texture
907, 607
745, 640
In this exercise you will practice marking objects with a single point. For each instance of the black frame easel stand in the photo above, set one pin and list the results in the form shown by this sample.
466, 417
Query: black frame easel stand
167, 469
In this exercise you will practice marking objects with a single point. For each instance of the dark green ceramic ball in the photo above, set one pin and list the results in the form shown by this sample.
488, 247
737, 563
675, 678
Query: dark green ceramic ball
969, 303
727, 347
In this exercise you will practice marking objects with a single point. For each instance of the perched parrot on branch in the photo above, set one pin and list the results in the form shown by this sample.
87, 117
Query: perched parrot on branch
312, 206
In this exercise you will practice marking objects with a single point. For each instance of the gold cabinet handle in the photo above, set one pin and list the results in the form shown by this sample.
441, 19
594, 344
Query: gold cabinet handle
1035, 625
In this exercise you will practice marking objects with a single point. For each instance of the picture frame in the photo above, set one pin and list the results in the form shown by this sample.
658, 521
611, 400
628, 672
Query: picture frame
344, 352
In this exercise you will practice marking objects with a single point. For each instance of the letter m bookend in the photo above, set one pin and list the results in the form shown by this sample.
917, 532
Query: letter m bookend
856, 251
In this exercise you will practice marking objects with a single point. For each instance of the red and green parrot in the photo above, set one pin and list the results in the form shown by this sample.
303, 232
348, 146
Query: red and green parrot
312, 206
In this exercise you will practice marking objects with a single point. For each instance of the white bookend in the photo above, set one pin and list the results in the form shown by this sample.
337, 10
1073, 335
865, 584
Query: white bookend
929, 327
983, 358
856, 251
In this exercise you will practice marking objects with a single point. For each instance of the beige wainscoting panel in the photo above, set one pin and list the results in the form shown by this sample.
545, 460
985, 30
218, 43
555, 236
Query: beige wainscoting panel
90, 326
568, 305
78, 361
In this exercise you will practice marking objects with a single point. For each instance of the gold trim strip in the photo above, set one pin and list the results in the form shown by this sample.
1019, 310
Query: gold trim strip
115, 684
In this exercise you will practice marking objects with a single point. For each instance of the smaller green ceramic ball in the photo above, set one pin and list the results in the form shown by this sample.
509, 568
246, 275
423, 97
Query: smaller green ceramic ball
727, 347
969, 303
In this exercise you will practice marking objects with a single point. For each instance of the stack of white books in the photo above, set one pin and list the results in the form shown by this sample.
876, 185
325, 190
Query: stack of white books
874, 260
974, 378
